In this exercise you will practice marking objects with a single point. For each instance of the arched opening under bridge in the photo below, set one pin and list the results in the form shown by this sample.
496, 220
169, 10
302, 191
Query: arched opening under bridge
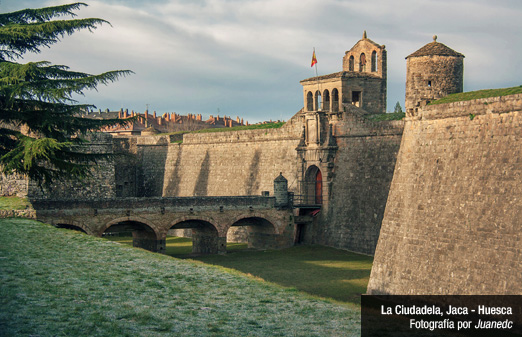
204, 235
257, 232
141, 234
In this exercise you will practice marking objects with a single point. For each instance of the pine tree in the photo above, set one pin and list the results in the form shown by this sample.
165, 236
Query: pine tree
41, 126
398, 108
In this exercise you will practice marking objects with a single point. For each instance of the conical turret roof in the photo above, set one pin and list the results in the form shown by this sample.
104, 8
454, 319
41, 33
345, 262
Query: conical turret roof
280, 178
435, 48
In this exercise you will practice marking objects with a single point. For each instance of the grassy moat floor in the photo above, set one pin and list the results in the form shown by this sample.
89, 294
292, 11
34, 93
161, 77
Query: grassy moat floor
317, 270
57, 282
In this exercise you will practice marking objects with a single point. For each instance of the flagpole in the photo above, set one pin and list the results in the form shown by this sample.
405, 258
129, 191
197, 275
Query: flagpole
318, 88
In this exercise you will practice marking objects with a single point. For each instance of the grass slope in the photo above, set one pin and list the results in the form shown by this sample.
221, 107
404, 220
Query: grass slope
471, 95
16, 203
390, 116
55, 282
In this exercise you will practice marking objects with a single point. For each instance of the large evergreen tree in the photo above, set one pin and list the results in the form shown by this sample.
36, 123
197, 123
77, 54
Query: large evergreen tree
40, 122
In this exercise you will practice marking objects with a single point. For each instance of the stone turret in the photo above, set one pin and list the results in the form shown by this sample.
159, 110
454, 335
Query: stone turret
281, 191
432, 72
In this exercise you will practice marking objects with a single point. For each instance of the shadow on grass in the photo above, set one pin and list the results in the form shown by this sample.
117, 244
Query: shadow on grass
317, 270
321, 271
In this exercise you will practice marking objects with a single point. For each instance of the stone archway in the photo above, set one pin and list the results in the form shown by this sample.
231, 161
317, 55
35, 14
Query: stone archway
313, 186
205, 236
257, 231
143, 235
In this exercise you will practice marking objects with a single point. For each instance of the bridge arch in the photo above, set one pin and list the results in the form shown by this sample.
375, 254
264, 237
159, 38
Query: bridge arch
71, 224
144, 233
205, 234
258, 230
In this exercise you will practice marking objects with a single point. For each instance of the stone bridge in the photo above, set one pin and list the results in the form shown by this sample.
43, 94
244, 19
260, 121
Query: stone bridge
257, 220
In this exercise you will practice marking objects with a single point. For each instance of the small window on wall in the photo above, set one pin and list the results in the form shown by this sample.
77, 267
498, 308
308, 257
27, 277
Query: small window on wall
356, 98
429, 84
351, 63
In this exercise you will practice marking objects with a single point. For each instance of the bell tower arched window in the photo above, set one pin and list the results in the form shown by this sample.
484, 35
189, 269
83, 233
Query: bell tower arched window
309, 101
317, 100
335, 100
326, 100
374, 61
362, 62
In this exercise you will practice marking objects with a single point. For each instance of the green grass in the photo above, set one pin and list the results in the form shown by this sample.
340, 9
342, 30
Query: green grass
391, 116
179, 247
317, 270
471, 95
322, 271
16, 203
274, 125
57, 282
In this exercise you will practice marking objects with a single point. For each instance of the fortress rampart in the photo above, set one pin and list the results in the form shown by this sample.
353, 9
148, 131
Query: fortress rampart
438, 193
218, 163
453, 217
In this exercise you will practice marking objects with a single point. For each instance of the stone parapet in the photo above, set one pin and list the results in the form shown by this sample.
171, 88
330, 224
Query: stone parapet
471, 109
179, 203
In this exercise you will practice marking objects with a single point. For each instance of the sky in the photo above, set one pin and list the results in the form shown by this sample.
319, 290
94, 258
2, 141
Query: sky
246, 57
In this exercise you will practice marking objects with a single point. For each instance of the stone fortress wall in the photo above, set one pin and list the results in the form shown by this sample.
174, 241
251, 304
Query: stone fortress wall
247, 162
449, 208
218, 163
363, 172
454, 213
100, 184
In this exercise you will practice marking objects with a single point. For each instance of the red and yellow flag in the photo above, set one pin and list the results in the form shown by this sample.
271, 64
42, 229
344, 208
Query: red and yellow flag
314, 59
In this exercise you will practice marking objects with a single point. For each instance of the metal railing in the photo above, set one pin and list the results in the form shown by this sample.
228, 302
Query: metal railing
303, 199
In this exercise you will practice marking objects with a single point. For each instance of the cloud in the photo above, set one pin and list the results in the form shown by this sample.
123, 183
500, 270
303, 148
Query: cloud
247, 57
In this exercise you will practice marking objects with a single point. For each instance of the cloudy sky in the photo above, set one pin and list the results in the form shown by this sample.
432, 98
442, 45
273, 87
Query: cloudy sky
246, 57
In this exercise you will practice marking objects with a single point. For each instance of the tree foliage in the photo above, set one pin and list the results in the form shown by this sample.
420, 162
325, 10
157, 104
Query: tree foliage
397, 108
40, 121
